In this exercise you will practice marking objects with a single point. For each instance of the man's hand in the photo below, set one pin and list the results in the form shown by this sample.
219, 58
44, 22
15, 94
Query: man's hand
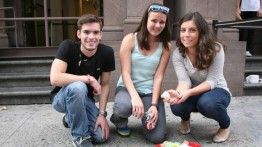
102, 122
95, 84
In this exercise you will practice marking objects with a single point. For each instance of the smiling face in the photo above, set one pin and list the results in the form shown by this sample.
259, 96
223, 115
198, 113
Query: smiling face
189, 34
156, 23
90, 36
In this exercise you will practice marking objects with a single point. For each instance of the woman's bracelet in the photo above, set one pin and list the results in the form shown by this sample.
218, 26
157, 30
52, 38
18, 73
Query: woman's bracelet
155, 106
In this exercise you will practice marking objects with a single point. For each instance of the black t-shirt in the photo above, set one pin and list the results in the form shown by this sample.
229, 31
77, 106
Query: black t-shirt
78, 64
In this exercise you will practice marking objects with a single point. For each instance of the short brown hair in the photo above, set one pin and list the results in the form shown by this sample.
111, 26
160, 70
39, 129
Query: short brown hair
89, 18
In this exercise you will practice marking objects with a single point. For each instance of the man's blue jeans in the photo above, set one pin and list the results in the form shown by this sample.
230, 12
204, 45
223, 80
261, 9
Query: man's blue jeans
81, 111
211, 104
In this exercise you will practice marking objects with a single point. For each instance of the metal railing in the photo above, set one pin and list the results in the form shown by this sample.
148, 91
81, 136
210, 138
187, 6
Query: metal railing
252, 23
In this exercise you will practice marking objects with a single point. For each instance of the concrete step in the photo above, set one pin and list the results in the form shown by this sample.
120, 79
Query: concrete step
252, 89
19, 66
253, 67
254, 61
25, 95
25, 80
34, 79
253, 71
9, 53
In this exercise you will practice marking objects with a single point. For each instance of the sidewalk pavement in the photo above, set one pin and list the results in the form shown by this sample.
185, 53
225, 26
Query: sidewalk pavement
41, 126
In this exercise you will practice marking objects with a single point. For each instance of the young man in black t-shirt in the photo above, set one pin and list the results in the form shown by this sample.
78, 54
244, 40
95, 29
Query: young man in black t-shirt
75, 72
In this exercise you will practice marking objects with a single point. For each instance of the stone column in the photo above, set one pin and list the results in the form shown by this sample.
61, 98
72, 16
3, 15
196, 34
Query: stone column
210, 9
114, 15
122, 17
3, 35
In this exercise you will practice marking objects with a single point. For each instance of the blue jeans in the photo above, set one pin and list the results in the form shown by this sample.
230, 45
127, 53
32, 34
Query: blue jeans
211, 104
123, 109
81, 111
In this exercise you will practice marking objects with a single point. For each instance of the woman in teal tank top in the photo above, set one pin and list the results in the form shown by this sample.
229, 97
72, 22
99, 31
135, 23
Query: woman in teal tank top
144, 56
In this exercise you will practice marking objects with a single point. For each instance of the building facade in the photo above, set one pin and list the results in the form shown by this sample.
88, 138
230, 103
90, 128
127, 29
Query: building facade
43, 24
47, 22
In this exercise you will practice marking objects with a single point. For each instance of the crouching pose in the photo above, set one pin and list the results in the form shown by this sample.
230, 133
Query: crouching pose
144, 56
199, 61
75, 73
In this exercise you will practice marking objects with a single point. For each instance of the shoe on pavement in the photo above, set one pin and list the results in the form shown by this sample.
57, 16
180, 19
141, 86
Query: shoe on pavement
184, 127
123, 132
248, 54
83, 142
65, 124
221, 135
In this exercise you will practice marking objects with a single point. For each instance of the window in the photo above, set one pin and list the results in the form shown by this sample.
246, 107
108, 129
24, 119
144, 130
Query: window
42, 22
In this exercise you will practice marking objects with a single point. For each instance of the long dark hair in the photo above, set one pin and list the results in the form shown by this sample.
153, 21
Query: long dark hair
142, 32
207, 45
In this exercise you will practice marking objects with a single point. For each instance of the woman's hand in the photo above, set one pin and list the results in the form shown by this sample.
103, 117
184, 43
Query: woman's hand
184, 96
138, 107
154, 116
171, 96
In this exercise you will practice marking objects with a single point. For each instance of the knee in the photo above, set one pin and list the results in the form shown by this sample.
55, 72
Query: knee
157, 135
76, 93
77, 88
156, 138
177, 110
122, 109
97, 137
208, 109
100, 140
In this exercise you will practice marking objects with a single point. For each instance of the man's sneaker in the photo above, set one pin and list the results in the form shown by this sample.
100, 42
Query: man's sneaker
248, 54
64, 122
123, 132
83, 142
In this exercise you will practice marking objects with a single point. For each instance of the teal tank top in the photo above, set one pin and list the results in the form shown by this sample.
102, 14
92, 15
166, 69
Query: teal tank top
143, 69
